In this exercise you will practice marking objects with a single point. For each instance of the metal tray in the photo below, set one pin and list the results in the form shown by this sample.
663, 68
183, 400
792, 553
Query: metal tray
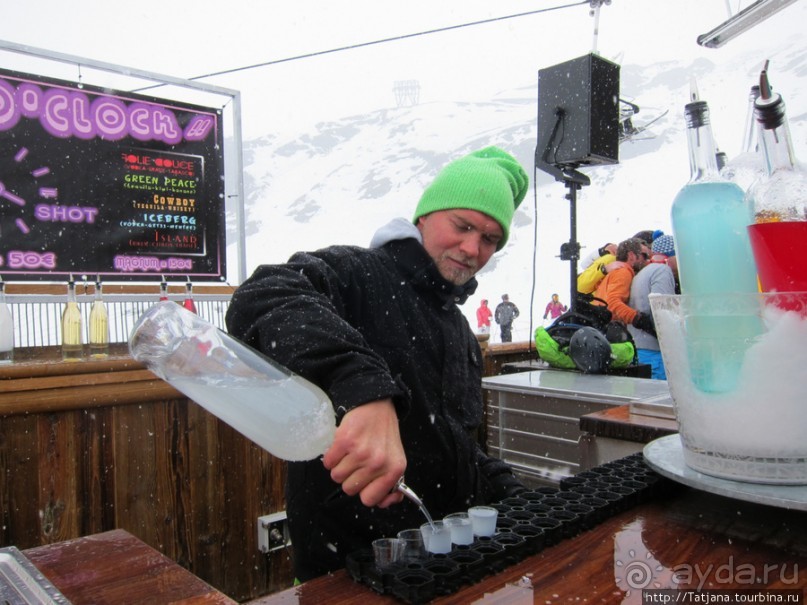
23, 584
666, 457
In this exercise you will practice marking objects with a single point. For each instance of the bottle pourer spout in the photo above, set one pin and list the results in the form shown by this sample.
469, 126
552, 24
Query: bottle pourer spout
407, 491
693, 90
764, 83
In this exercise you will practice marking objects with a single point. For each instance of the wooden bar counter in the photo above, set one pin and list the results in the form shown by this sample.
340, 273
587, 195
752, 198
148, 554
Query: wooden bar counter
116, 568
684, 539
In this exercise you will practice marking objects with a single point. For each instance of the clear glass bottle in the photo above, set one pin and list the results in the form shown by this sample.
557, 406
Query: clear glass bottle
722, 160
72, 336
286, 415
188, 302
99, 324
747, 167
6, 328
163, 289
710, 217
779, 200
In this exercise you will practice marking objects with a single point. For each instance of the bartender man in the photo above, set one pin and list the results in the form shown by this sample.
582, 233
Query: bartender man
379, 330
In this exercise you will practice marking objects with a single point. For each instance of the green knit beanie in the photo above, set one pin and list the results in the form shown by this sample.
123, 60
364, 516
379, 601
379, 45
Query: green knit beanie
490, 181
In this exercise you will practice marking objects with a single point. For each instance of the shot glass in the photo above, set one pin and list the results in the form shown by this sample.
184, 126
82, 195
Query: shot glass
414, 548
483, 520
459, 524
387, 551
436, 537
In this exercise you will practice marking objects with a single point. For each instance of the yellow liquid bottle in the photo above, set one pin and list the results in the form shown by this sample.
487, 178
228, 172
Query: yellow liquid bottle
99, 325
72, 341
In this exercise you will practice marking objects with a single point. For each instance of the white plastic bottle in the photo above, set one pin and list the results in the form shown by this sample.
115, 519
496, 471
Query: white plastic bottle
283, 413
6, 328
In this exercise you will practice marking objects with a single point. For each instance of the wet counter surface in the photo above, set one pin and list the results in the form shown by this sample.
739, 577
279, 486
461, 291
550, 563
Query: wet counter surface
116, 568
682, 539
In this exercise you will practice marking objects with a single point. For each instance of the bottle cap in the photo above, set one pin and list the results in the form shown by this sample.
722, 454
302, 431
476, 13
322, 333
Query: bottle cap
697, 114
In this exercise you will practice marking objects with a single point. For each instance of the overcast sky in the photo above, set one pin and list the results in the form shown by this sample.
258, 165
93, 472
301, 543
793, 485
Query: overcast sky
188, 39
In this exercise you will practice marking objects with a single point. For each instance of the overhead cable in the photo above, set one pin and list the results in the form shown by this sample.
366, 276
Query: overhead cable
381, 41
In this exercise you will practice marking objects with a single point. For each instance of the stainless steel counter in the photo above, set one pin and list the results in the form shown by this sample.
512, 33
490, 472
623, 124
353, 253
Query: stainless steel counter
533, 417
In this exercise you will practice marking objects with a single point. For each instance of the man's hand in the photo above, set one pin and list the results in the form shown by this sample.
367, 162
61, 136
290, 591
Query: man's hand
367, 456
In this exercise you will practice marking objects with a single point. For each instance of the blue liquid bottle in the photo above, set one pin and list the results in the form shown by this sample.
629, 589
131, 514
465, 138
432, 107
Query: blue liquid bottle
710, 217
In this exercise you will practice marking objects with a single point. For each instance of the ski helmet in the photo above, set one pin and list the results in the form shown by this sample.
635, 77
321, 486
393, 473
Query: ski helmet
590, 351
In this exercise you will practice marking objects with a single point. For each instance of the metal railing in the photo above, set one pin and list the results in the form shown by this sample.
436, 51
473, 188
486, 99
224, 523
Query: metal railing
37, 317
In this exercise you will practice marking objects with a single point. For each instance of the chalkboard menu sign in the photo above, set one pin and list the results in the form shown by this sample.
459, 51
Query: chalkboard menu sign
99, 182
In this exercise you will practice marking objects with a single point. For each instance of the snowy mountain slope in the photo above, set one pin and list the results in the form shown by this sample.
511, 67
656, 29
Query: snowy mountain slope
341, 180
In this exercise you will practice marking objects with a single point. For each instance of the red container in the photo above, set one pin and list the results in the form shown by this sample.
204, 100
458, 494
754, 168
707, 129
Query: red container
779, 252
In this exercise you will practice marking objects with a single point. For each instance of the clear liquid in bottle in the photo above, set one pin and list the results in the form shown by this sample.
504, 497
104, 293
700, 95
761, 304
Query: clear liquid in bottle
278, 410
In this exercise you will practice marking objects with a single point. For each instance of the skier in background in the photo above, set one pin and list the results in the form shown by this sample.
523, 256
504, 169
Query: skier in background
506, 312
483, 315
554, 308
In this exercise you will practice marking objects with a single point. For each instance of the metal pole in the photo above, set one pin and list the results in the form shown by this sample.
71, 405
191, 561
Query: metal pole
240, 206
573, 247
596, 28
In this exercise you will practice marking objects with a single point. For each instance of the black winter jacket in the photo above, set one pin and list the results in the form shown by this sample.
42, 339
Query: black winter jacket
367, 324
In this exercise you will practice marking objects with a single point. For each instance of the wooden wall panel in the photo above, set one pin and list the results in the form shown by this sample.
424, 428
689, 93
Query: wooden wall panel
19, 480
163, 469
60, 485
134, 461
95, 470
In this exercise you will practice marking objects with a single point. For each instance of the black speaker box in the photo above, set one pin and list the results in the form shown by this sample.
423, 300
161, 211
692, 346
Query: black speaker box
578, 112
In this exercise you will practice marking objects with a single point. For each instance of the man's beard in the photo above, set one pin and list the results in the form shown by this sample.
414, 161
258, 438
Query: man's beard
454, 274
